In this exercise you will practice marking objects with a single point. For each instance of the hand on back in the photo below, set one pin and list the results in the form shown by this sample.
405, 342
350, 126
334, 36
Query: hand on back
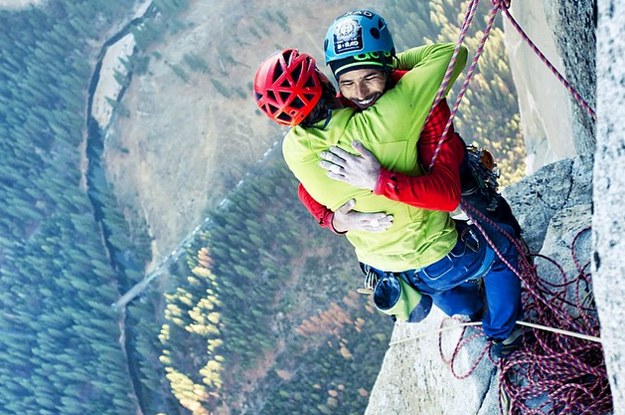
346, 219
360, 170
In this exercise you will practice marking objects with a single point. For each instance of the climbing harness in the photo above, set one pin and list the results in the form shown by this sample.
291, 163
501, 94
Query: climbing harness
394, 296
370, 281
561, 369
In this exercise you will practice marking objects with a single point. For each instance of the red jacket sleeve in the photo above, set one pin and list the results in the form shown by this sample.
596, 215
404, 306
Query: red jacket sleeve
438, 189
322, 214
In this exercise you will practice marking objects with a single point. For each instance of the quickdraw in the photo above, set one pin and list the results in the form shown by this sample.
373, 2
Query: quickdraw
485, 173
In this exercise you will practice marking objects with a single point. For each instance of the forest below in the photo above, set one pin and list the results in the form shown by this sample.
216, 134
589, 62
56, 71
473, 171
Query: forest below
262, 306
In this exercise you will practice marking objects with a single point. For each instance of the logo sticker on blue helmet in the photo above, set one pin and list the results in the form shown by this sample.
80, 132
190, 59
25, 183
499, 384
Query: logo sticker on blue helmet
347, 36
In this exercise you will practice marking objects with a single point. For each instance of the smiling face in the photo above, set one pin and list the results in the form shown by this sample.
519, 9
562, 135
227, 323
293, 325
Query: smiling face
362, 86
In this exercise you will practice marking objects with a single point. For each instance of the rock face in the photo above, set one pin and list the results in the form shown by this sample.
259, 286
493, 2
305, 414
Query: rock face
574, 24
564, 32
547, 139
609, 181
553, 205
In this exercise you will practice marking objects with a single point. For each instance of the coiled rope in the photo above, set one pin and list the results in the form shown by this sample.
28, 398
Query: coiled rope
557, 370
566, 374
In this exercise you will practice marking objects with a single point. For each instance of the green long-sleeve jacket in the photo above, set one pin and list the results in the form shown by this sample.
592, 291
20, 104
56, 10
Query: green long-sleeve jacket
390, 130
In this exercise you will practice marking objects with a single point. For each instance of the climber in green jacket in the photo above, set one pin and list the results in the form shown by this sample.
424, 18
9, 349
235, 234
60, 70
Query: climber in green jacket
422, 245
418, 237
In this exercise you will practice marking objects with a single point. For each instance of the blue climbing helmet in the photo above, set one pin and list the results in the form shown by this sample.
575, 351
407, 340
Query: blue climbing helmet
356, 40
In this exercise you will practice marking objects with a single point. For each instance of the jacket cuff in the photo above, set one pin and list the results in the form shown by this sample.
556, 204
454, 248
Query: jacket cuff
385, 180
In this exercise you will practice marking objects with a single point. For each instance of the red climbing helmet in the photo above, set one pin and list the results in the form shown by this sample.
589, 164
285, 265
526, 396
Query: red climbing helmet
287, 86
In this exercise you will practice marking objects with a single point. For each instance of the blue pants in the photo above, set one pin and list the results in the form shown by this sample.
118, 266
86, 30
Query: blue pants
452, 281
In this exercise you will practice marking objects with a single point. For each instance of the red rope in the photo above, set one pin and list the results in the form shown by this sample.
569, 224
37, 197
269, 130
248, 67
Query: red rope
468, 18
491, 21
525, 269
503, 5
542, 57
566, 374
466, 23
552, 373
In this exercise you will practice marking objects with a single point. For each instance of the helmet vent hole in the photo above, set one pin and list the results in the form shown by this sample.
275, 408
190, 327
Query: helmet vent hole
271, 95
375, 33
297, 103
284, 96
258, 96
277, 73
296, 72
288, 55
284, 117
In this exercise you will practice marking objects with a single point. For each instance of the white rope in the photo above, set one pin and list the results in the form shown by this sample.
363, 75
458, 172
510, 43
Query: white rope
560, 331
477, 323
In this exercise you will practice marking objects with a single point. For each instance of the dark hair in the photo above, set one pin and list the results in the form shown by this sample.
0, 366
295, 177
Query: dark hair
327, 102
